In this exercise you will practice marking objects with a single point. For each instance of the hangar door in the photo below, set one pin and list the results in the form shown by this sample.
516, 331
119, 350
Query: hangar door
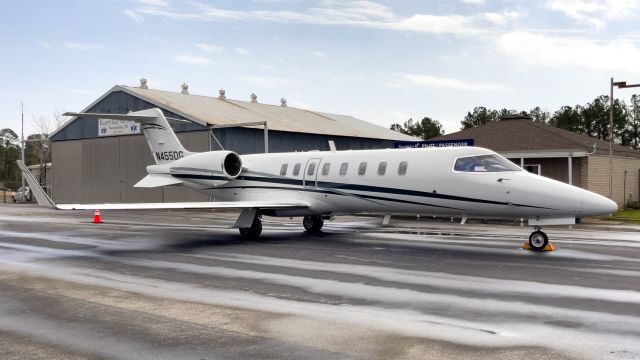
105, 170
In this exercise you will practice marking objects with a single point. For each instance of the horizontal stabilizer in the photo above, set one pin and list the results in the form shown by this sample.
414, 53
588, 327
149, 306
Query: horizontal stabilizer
151, 181
138, 118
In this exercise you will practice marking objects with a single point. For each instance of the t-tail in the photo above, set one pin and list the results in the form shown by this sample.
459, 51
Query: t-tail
163, 142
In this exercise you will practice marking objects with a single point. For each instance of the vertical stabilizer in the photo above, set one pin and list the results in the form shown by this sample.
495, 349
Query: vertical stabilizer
163, 142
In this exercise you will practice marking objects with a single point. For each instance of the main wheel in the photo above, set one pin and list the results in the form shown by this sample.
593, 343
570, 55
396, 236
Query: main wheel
312, 223
538, 240
253, 232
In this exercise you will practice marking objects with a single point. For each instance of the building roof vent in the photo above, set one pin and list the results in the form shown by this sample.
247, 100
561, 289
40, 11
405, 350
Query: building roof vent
143, 83
283, 102
185, 88
515, 117
254, 98
222, 95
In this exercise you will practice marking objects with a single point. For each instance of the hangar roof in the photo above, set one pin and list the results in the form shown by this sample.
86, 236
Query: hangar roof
206, 110
521, 135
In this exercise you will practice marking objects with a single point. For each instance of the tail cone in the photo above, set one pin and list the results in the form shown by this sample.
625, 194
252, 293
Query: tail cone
96, 217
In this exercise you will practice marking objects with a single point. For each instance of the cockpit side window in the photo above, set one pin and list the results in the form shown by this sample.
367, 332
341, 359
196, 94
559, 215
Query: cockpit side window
484, 163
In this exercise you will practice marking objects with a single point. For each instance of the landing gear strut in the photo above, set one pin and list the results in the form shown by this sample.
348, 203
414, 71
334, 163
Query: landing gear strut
253, 232
538, 240
312, 223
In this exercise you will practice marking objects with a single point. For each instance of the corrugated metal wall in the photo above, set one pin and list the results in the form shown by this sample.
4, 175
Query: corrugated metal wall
117, 102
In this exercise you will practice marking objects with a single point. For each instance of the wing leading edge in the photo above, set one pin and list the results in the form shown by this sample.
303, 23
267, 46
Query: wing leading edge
44, 200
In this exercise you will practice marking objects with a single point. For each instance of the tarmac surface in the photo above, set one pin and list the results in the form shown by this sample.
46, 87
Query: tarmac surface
182, 285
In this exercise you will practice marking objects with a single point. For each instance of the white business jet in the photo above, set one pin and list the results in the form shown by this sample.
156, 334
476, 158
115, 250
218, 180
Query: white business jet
460, 181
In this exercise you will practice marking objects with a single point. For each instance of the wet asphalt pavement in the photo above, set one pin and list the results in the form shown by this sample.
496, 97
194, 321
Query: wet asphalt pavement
182, 285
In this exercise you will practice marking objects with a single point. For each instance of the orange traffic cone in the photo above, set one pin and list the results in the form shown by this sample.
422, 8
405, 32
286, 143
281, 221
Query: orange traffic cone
96, 217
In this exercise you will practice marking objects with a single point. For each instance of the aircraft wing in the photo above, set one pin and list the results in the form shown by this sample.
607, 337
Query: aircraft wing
44, 200
187, 205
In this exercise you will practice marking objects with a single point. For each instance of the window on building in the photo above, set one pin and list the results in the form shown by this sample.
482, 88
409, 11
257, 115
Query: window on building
533, 168
283, 169
311, 168
382, 168
484, 163
402, 168
343, 168
296, 169
325, 169
362, 168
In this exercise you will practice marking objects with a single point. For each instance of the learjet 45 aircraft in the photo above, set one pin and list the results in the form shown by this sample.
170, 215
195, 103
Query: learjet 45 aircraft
460, 181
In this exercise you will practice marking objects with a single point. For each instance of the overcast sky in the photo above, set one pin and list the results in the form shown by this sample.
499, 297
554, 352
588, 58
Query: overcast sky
381, 61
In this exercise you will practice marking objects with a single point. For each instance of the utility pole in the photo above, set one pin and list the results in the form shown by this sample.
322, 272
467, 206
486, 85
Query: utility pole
22, 145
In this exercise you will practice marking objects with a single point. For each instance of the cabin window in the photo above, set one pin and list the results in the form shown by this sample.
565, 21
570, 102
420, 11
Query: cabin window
402, 168
362, 169
343, 169
325, 169
296, 169
283, 169
382, 168
311, 168
484, 163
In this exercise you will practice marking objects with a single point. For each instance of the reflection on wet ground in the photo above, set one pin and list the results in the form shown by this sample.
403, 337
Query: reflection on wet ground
183, 285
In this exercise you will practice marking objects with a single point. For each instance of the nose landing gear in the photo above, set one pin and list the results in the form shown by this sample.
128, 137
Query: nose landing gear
538, 241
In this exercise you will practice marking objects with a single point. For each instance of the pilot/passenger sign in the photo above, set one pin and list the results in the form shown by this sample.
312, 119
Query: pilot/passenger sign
433, 143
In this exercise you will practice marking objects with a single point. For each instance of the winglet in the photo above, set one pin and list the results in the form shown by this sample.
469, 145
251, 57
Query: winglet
41, 197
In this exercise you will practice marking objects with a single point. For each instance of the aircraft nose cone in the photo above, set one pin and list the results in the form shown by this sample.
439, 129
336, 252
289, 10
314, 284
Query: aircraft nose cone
594, 204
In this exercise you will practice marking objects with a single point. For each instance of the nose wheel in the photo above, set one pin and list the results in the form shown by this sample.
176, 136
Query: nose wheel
312, 223
538, 240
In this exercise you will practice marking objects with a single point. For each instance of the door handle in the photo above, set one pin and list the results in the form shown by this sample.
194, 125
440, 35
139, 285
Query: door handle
503, 179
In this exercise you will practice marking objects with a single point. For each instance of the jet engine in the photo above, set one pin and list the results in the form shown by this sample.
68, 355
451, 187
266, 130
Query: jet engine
213, 168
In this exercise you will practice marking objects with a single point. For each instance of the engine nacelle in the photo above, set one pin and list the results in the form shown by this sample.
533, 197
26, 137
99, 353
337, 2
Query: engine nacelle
211, 168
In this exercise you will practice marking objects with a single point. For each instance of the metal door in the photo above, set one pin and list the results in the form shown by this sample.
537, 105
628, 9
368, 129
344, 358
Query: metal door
310, 176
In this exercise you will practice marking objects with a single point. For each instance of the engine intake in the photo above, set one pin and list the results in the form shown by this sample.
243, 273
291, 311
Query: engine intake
232, 165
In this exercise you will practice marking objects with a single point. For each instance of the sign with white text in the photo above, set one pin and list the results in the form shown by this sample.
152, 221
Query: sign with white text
433, 143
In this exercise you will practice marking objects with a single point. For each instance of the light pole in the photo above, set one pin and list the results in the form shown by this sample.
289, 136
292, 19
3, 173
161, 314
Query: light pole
620, 85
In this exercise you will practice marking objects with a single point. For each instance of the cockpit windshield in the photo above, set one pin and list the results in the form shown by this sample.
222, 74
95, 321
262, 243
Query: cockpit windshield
484, 163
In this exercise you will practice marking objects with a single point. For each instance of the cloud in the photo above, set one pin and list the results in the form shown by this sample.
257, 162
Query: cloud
45, 45
83, 46
596, 13
318, 54
345, 13
134, 15
162, 3
210, 48
558, 52
266, 81
193, 60
473, 2
402, 80
242, 51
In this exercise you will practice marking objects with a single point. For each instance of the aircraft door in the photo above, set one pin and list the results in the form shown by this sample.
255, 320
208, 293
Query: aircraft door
310, 177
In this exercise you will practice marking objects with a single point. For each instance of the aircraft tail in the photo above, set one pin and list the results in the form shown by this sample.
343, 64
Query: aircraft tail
164, 144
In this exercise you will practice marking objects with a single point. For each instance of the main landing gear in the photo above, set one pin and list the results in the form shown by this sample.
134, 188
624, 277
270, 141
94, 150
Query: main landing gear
254, 231
538, 240
312, 223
